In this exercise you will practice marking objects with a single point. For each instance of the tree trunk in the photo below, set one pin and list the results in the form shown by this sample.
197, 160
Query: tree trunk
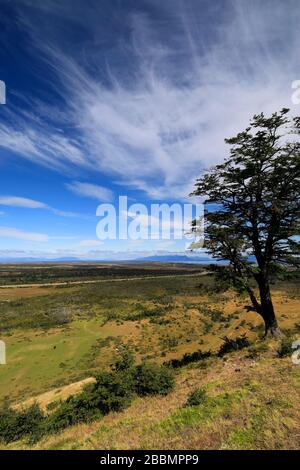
256, 305
267, 309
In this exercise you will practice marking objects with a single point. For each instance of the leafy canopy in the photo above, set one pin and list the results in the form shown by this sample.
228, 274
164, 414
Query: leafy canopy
253, 197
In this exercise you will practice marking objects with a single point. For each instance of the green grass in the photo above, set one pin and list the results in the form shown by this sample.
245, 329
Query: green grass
40, 360
207, 411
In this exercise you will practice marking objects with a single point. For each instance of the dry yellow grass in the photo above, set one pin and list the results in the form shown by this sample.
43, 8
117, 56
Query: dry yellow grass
61, 393
12, 293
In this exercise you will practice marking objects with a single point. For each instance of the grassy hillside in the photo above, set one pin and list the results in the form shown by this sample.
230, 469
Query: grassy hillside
252, 403
59, 337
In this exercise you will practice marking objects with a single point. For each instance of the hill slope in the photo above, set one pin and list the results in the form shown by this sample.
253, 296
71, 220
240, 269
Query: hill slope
253, 403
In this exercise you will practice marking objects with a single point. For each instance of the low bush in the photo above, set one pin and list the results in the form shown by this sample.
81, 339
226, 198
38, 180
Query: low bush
76, 409
214, 314
124, 360
285, 348
230, 345
151, 379
112, 391
197, 397
15, 424
187, 359
153, 313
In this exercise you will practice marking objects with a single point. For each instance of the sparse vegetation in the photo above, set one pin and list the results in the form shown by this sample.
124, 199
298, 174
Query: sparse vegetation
188, 358
85, 329
196, 397
230, 345
285, 348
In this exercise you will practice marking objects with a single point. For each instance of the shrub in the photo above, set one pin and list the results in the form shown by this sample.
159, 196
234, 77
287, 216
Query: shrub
187, 359
8, 424
151, 379
15, 425
285, 348
230, 345
112, 391
197, 397
124, 360
30, 422
76, 409
215, 315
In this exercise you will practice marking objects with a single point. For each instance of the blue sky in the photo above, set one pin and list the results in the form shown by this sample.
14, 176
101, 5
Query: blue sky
119, 97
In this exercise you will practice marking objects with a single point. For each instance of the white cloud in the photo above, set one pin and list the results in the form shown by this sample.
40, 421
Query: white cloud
14, 201
67, 213
156, 127
21, 202
91, 190
164, 224
39, 142
9, 232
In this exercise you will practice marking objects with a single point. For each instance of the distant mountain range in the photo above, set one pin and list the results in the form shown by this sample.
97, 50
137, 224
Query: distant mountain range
168, 258
176, 259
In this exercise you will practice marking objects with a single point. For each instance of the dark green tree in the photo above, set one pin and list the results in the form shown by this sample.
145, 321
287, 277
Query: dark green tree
252, 215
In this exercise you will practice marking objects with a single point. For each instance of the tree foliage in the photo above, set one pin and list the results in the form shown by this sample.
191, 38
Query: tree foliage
252, 206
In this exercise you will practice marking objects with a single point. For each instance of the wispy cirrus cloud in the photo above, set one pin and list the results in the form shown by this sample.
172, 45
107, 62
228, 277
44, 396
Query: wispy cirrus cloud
93, 191
27, 203
39, 142
15, 201
156, 114
10, 232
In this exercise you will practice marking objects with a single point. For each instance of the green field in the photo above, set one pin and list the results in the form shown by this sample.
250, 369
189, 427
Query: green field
66, 334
